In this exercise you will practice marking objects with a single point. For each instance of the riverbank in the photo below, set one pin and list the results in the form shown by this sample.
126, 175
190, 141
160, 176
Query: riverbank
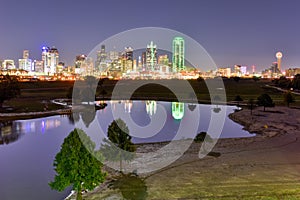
265, 166
31, 115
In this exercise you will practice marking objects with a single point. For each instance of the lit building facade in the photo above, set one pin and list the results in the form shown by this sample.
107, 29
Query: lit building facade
50, 57
78, 63
224, 72
25, 63
178, 54
151, 56
8, 64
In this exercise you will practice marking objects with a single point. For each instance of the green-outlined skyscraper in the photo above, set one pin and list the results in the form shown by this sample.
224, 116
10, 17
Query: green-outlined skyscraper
178, 54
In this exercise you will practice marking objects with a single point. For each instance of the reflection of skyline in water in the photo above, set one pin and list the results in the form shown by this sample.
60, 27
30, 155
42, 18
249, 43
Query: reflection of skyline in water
10, 131
177, 110
151, 107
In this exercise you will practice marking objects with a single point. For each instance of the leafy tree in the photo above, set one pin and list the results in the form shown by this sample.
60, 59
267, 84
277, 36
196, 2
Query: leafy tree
238, 99
288, 98
119, 147
255, 78
9, 88
296, 82
265, 100
236, 79
76, 166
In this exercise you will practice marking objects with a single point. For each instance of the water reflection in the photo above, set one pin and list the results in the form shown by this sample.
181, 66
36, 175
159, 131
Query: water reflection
131, 186
151, 107
10, 131
177, 110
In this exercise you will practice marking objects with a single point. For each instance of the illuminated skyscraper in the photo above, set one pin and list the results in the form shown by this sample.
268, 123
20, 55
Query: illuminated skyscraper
100, 63
128, 59
279, 56
25, 63
25, 54
151, 55
178, 54
50, 58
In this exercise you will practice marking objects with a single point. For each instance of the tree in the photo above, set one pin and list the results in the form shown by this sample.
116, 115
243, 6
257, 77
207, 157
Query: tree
296, 82
265, 100
76, 166
238, 99
236, 79
9, 88
255, 78
288, 98
251, 105
119, 147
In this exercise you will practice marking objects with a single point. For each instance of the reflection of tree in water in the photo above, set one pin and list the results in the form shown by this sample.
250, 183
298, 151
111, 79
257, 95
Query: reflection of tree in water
74, 117
8, 133
88, 115
192, 107
131, 186
216, 110
217, 100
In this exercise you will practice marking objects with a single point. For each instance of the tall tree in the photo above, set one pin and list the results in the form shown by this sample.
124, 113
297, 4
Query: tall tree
119, 147
9, 88
76, 166
265, 100
296, 82
251, 105
288, 98
238, 99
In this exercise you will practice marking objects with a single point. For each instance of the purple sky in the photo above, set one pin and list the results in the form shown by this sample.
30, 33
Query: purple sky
232, 31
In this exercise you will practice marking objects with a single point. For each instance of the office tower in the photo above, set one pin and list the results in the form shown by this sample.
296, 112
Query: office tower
144, 61
50, 57
87, 67
26, 54
237, 70
243, 70
151, 55
25, 63
163, 59
140, 64
128, 59
8, 64
38, 66
279, 56
178, 54
78, 63
100, 63
60, 67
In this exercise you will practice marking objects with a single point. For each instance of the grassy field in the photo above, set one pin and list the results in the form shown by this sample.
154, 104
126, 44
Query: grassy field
36, 96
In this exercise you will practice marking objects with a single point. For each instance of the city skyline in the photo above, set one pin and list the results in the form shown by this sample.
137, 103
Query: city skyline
247, 33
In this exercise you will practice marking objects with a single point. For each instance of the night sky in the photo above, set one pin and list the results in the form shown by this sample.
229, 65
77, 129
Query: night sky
232, 31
